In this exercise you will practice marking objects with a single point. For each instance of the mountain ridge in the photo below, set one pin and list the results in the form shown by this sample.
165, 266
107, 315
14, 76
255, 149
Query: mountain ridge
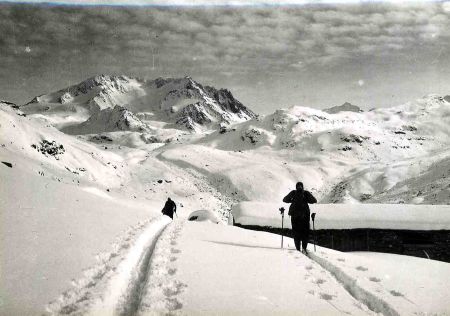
345, 107
180, 101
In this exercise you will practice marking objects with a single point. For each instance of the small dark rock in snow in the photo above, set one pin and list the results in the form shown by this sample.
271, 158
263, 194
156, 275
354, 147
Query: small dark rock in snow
46, 147
160, 181
8, 164
410, 128
346, 148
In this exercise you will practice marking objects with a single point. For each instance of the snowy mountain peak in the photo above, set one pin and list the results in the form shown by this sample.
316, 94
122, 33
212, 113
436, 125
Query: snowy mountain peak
180, 101
347, 106
195, 106
104, 84
108, 120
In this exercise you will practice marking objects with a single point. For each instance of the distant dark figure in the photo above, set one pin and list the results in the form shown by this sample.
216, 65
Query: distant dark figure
299, 212
169, 208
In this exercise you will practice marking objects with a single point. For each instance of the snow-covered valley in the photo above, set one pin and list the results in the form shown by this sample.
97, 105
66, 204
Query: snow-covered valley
86, 170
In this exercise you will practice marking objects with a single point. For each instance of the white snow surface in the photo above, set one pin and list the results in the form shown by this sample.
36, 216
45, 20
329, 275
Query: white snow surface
52, 233
81, 230
245, 272
124, 288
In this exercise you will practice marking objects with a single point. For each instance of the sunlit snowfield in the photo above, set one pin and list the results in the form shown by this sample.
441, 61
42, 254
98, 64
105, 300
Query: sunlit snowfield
223, 107
81, 209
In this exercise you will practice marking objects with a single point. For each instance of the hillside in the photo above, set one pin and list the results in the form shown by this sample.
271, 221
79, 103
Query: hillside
84, 209
343, 157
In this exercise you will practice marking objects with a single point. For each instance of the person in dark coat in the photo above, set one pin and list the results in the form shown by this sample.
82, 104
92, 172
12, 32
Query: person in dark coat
169, 208
300, 213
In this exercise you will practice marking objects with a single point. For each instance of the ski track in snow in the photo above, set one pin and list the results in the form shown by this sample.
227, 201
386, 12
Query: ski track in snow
319, 276
124, 290
160, 296
78, 298
350, 284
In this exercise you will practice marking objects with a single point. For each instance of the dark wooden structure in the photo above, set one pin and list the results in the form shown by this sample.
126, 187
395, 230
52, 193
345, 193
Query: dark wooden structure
433, 244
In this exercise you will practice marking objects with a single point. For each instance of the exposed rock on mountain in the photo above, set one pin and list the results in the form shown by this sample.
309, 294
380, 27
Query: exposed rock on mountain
7, 103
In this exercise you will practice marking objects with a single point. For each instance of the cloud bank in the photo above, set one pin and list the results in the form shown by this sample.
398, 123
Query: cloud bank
217, 43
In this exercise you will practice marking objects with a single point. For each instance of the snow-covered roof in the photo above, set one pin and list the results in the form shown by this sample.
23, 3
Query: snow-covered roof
349, 216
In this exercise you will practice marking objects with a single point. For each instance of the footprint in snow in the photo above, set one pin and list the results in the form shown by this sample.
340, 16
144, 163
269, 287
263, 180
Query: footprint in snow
320, 281
360, 268
374, 279
173, 250
358, 305
174, 289
326, 297
395, 293
341, 259
172, 271
173, 304
309, 268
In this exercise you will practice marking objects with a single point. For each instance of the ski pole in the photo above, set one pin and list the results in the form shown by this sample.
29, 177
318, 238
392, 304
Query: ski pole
282, 224
313, 216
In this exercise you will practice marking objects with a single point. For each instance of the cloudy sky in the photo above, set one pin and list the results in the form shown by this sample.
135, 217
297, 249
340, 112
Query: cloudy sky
370, 54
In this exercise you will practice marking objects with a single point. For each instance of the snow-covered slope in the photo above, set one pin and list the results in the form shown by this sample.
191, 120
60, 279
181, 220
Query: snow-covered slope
108, 120
205, 268
183, 102
343, 157
46, 151
64, 199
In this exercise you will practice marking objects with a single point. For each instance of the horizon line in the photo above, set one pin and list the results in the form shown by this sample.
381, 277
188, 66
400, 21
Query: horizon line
210, 3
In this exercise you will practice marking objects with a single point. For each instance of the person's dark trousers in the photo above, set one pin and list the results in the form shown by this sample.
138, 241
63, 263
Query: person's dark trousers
300, 228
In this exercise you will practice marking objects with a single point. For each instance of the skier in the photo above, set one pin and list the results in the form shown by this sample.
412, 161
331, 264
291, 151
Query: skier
169, 208
299, 212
